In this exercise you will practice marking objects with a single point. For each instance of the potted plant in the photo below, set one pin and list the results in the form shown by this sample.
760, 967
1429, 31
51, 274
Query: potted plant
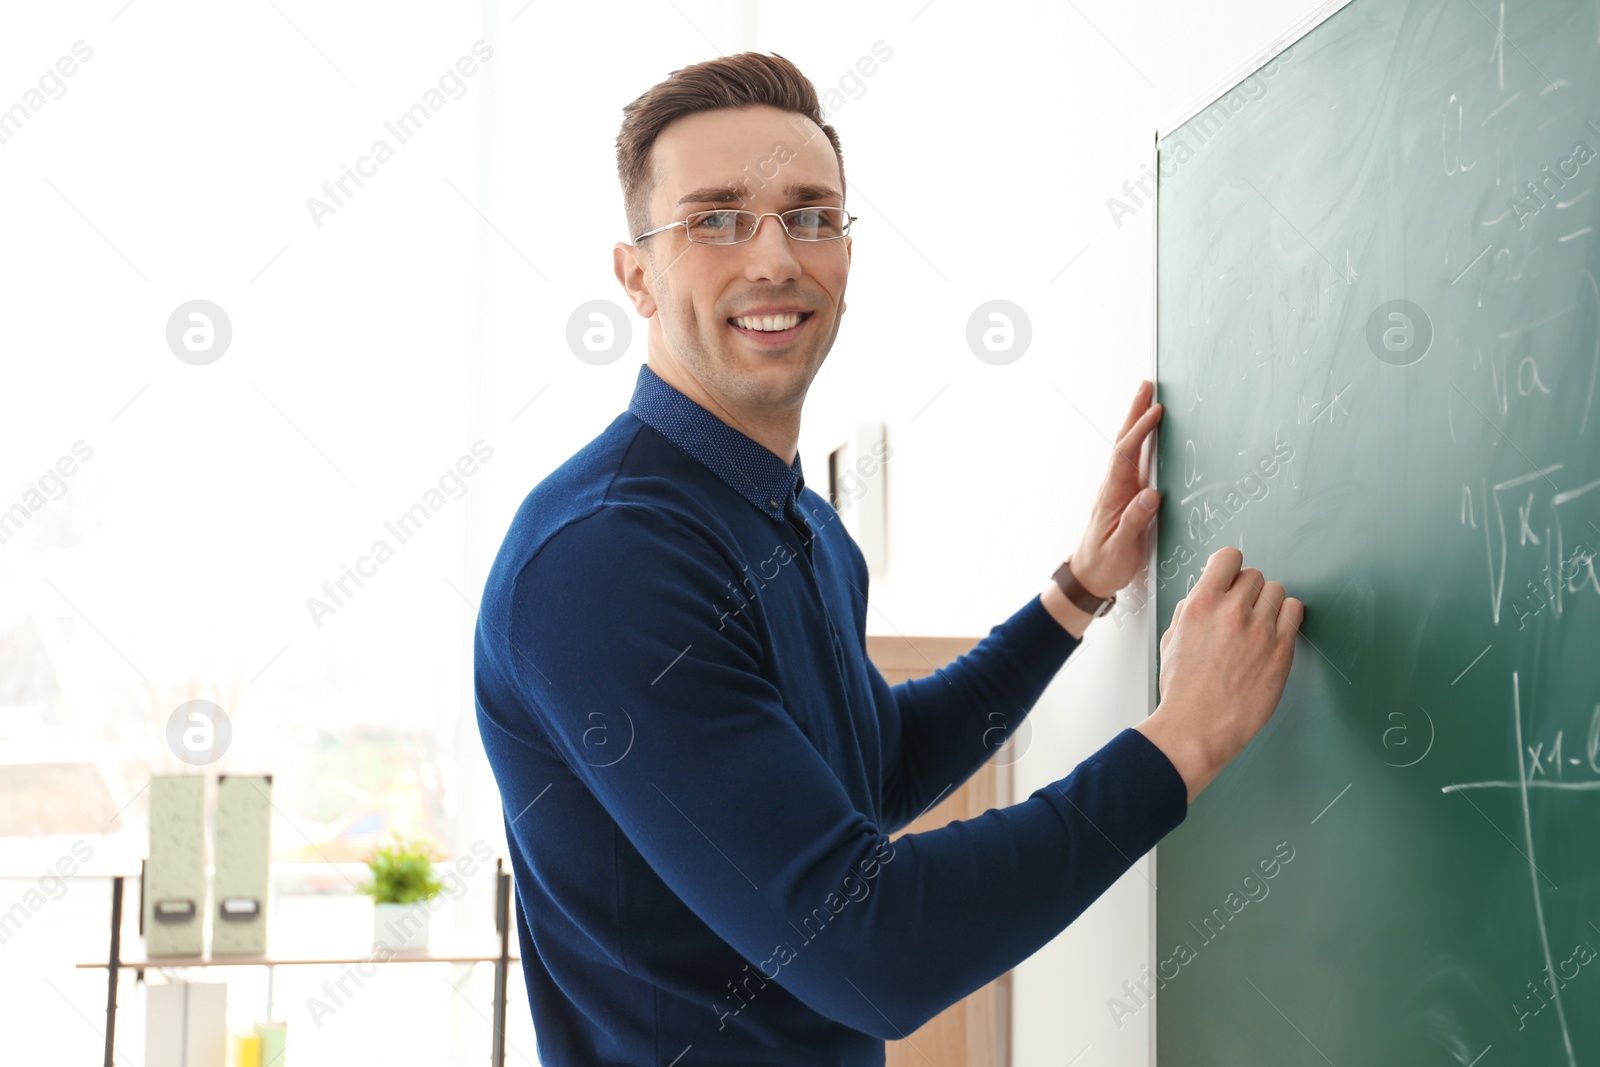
402, 884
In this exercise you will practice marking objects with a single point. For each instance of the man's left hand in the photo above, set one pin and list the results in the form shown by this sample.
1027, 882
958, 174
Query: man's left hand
1114, 546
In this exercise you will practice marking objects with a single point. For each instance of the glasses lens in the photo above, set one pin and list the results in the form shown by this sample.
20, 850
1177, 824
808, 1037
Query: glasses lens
816, 223
720, 227
726, 226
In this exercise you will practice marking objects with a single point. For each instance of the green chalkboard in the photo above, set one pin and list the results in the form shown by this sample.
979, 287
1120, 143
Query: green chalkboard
1378, 339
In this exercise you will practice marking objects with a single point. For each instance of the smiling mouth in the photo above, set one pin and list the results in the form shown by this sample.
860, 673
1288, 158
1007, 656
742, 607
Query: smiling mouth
770, 329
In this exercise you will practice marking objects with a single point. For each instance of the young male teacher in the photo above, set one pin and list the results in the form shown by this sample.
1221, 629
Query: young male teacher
699, 766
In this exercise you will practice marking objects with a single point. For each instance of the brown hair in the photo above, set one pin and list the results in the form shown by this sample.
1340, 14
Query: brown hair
736, 81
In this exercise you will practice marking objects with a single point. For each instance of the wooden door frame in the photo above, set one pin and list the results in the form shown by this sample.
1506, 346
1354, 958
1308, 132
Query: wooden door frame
976, 1031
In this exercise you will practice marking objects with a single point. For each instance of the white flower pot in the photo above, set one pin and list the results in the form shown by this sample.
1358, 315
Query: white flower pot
400, 927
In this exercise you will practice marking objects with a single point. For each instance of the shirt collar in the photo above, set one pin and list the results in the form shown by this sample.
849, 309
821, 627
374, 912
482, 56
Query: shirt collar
751, 469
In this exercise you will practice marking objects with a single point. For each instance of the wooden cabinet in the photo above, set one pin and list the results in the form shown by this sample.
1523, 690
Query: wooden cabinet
976, 1032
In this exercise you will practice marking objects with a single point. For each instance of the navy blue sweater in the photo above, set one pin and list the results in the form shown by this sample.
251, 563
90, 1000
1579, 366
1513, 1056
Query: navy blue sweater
699, 768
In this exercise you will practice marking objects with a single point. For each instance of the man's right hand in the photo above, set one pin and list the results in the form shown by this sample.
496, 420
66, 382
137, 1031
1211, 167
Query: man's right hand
1224, 661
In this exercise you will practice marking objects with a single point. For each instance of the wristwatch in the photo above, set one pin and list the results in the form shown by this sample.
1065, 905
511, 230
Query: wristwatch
1080, 596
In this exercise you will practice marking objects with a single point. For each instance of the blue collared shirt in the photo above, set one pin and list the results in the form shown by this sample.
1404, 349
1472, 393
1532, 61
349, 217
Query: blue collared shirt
750, 469
700, 768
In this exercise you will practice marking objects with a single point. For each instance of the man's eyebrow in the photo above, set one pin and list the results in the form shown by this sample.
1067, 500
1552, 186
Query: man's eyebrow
712, 194
733, 194
809, 191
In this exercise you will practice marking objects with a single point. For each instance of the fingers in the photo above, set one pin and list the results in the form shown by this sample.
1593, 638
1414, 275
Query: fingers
1133, 436
1142, 418
1172, 624
1287, 624
1134, 520
1250, 581
1282, 612
1292, 615
1221, 569
1270, 602
1141, 399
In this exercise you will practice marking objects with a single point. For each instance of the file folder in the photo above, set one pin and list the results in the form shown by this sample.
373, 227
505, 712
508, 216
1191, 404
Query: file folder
173, 897
186, 1024
243, 845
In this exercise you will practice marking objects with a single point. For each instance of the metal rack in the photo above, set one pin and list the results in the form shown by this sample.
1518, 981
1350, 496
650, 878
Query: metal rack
505, 899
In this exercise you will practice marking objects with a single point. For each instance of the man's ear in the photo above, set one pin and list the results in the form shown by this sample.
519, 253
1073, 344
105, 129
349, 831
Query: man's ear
632, 272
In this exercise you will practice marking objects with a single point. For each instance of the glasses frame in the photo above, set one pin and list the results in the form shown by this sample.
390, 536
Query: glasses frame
779, 215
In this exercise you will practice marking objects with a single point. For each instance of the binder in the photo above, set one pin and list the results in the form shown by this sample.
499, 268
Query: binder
274, 1035
243, 845
173, 897
244, 1049
186, 1024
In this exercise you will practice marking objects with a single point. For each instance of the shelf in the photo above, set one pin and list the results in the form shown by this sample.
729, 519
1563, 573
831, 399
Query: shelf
409, 956
505, 901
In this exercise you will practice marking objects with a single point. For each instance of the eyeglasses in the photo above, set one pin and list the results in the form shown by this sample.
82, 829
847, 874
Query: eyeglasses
726, 226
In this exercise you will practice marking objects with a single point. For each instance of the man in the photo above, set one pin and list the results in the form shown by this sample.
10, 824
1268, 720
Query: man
698, 764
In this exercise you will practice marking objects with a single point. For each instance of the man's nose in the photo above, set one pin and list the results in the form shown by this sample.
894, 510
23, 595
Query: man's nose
770, 255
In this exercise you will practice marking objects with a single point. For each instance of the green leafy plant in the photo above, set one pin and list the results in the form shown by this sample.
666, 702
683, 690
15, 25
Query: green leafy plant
402, 872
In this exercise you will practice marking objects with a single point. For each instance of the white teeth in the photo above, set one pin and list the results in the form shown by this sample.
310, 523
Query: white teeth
768, 323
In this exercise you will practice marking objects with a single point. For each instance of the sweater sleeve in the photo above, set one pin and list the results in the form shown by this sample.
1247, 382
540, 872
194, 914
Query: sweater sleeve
738, 814
939, 729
